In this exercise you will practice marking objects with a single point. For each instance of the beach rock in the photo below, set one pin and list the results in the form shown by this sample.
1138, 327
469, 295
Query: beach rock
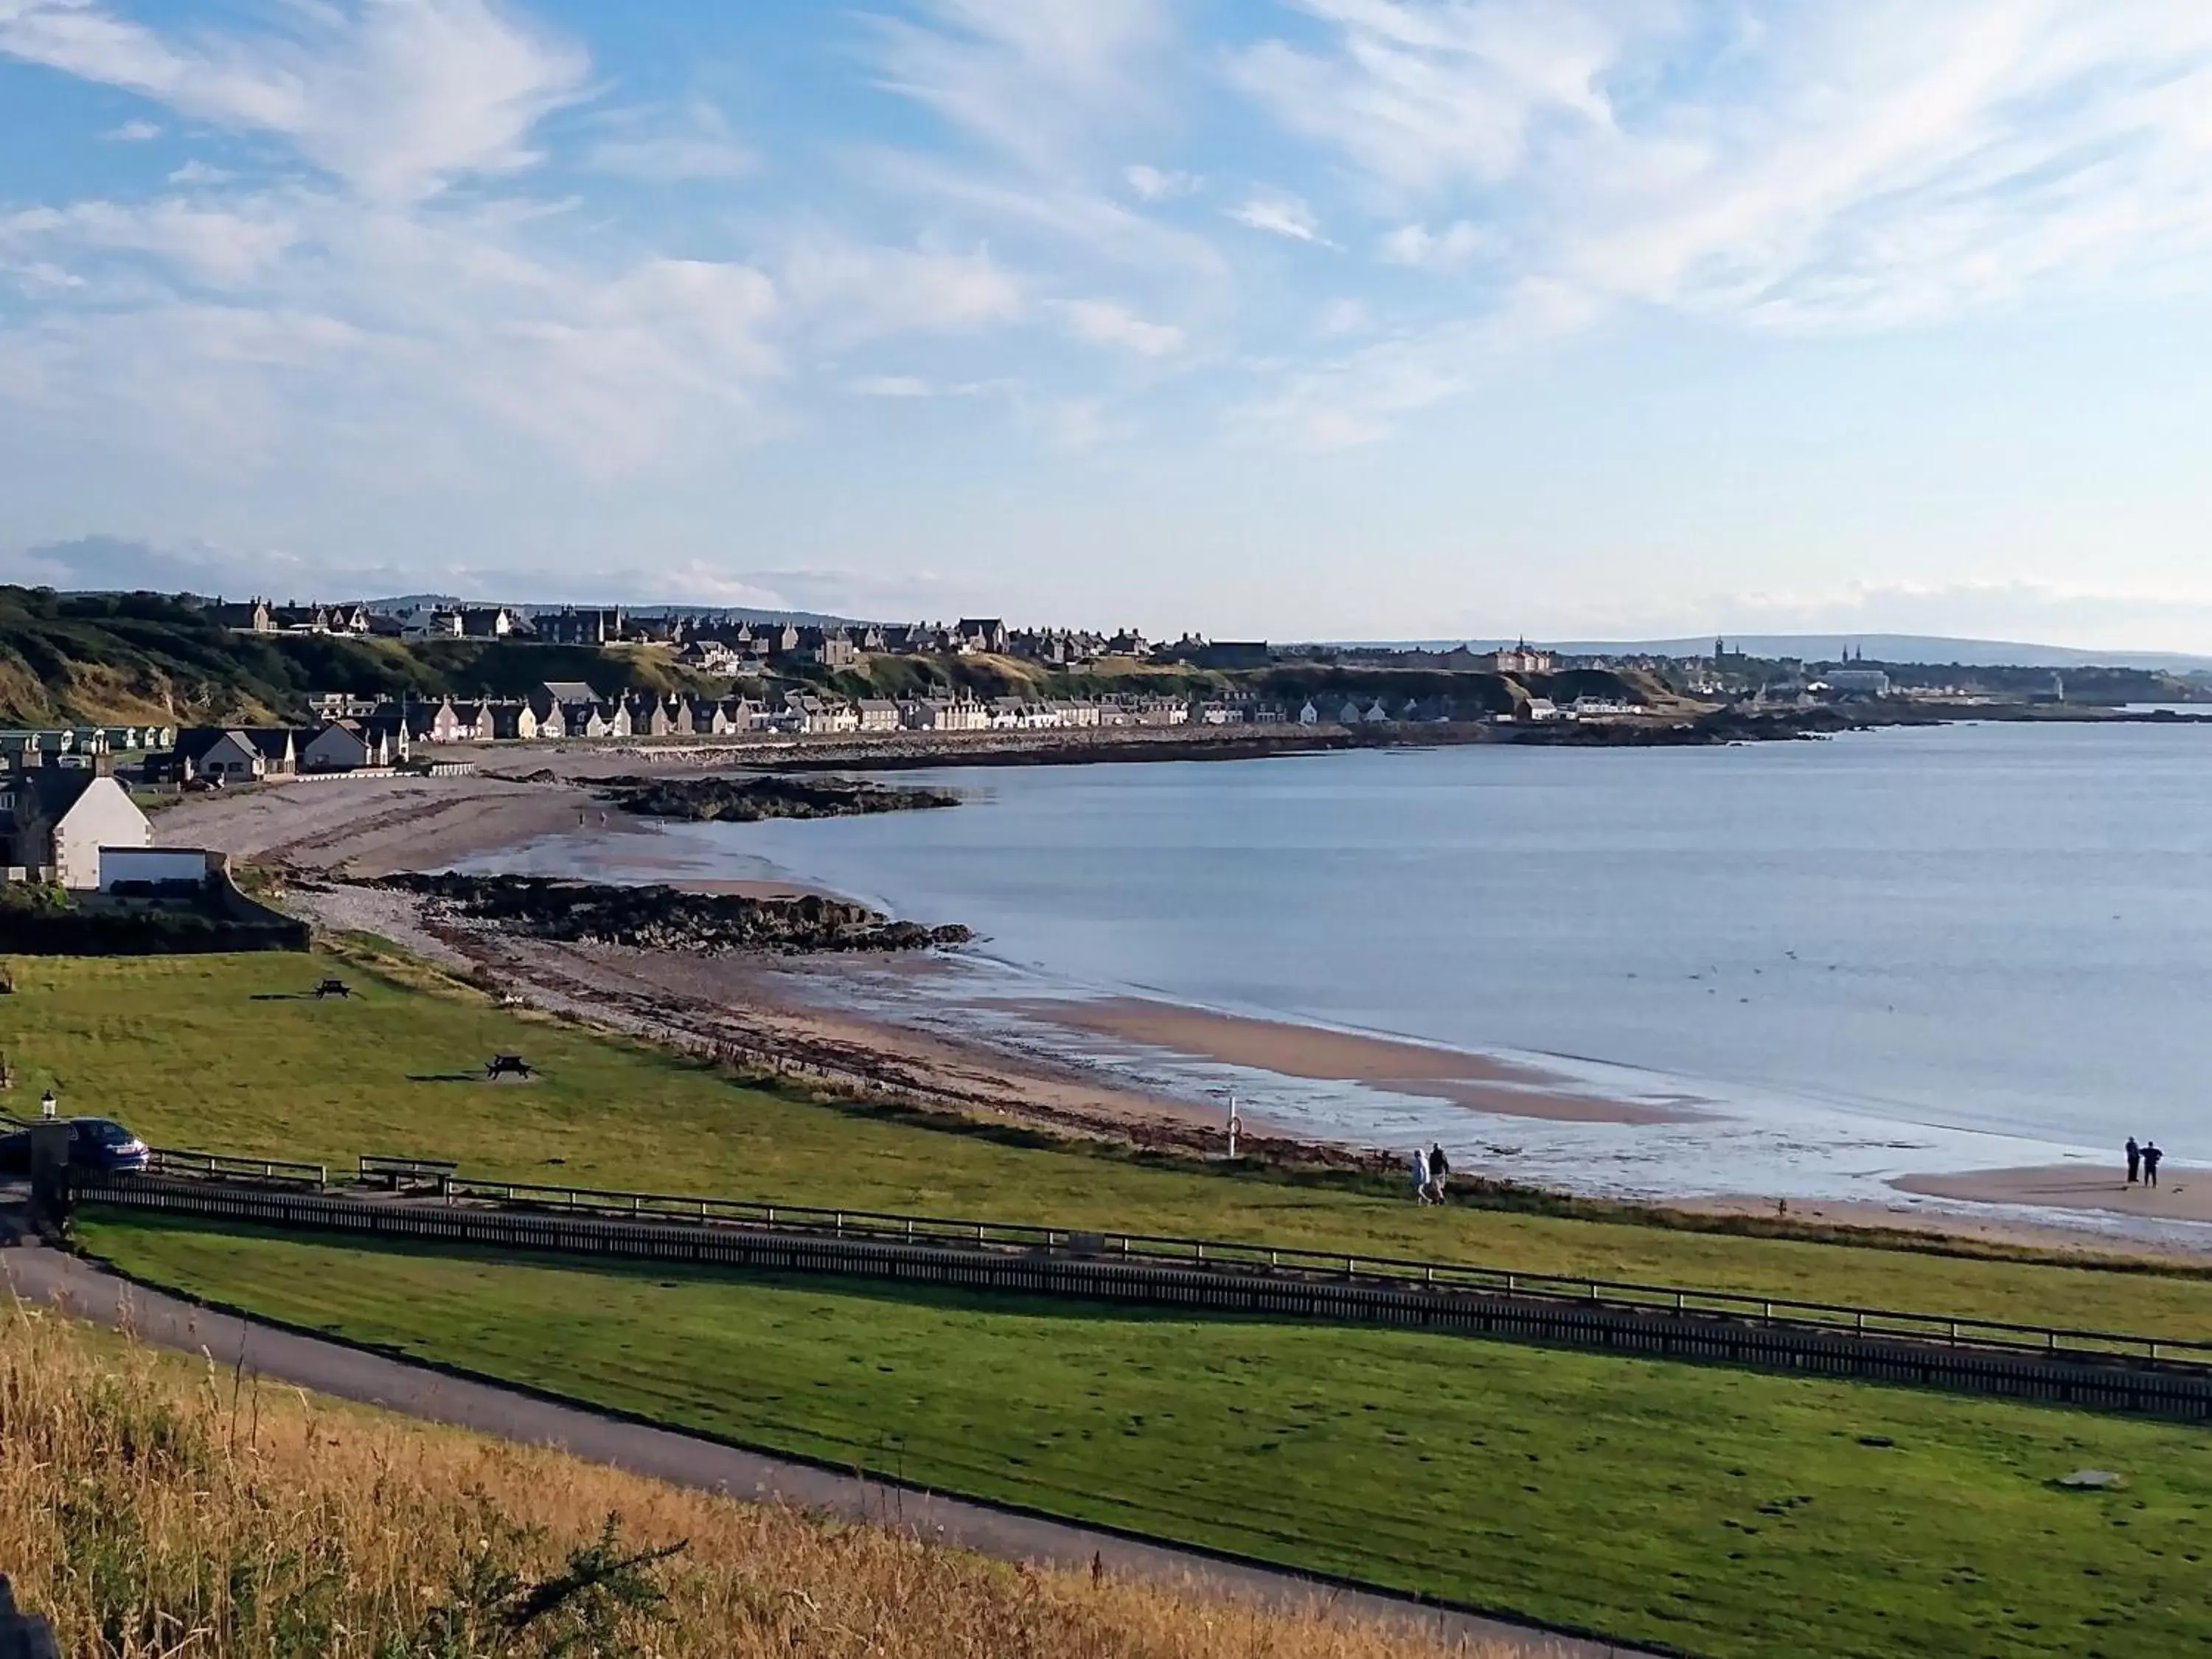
659, 918
750, 799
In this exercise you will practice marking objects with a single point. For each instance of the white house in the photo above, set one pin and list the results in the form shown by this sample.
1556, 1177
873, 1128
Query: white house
1308, 715
59, 819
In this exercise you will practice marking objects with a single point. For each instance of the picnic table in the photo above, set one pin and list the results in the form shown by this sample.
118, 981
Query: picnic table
507, 1065
332, 988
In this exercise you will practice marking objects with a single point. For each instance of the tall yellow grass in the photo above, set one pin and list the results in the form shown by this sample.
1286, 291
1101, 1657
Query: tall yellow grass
152, 1507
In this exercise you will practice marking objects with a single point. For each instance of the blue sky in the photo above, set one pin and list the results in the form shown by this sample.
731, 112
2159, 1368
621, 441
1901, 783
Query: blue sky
1317, 318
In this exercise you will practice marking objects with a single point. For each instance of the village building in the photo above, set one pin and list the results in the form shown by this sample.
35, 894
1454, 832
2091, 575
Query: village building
229, 754
572, 626
58, 820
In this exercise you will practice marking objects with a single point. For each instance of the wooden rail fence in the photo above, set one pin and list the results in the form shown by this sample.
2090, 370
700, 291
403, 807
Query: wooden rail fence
2098, 1370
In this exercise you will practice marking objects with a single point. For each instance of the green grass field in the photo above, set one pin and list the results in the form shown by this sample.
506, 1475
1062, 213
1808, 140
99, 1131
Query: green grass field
1717, 1512
194, 1052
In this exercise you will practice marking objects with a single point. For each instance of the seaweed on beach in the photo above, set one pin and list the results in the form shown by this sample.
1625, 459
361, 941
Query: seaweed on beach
750, 799
660, 918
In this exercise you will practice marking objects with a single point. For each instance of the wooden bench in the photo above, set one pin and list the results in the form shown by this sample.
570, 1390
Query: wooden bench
394, 1173
333, 987
501, 1066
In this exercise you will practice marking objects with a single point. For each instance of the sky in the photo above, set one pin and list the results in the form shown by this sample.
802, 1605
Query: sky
1283, 319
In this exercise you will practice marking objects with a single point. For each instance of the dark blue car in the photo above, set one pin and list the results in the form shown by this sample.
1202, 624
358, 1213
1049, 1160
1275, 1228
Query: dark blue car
95, 1143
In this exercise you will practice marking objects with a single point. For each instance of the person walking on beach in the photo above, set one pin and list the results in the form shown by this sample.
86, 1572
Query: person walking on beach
1439, 1171
1420, 1176
2135, 1160
2151, 1155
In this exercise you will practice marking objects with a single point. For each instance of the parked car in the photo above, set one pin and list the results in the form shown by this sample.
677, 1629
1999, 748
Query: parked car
95, 1143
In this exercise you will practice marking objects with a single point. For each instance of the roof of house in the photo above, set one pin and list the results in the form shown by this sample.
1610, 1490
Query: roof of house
566, 691
55, 789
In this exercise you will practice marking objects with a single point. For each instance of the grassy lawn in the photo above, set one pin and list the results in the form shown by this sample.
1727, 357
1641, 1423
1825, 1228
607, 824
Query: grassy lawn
1718, 1512
220, 1052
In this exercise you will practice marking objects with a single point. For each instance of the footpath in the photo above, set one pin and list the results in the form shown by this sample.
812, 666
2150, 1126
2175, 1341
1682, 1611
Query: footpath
53, 1278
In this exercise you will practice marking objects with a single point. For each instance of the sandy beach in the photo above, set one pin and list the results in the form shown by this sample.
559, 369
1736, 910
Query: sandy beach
364, 827
1481, 1083
2182, 1194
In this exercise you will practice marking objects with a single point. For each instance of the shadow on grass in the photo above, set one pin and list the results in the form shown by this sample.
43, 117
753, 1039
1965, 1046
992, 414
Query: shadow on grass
670, 1276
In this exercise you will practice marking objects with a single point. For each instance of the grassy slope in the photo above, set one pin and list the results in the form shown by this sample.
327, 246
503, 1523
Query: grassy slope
185, 1051
1720, 1513
151, 1508
139, 657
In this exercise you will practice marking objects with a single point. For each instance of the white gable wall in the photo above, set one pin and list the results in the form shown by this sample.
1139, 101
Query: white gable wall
103, 815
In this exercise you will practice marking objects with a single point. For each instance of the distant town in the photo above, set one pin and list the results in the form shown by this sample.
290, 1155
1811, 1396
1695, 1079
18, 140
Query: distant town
366, 689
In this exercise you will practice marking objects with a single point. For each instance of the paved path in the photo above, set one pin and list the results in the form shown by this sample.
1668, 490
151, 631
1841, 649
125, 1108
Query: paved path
40, 1274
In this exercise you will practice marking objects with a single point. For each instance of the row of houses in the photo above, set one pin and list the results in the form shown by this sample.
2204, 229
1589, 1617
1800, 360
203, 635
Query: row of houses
728, 643
63, 742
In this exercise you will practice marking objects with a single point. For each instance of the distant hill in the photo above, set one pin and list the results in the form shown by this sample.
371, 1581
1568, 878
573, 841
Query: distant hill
1934, 650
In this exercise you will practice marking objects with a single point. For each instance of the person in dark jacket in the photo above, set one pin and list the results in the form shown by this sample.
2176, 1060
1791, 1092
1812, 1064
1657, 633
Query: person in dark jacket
2151, 1156
1439, 1171
2135, 1160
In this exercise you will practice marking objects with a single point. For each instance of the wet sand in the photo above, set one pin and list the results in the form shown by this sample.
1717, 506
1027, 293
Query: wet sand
1479, 1082
1915, 1214
2182, 1194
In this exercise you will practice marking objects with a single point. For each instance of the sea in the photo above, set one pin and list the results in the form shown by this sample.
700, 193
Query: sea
1898, 951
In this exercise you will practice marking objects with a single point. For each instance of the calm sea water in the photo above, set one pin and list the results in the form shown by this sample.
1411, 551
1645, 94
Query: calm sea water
1893, 950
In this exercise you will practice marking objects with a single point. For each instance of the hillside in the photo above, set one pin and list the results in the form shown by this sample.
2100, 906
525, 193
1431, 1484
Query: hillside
141, 1497
123, 657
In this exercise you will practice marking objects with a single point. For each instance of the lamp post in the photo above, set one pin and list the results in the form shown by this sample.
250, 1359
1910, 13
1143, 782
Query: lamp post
48, 1105
1236, 1124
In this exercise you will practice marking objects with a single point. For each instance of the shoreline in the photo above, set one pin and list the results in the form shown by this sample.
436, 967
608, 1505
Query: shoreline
1482, 1082
799, 1017
2182, 1194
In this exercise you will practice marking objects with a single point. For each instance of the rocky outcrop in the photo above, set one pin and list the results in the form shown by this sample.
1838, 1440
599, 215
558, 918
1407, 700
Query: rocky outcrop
750, 799
668, 918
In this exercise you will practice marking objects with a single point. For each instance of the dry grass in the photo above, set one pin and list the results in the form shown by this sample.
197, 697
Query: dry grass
153, 1507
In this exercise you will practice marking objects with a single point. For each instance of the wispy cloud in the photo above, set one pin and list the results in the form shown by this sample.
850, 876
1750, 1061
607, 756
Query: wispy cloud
1032, 78
395, 97
665, 146
1103, 322
1278, 214
1152, 184
133, 132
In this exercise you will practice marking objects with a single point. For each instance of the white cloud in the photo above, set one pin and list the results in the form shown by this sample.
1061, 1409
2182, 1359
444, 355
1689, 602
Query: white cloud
891, 386
200, 173
1151, 184
396, 97
1103, 323
1278, 214
221, 248
1346, 316
1033, 78
1445, 249
133, 132
665, 147
853, 291
1424, 92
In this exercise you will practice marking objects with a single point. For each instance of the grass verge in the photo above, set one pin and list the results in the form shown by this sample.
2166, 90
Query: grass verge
1720, 1513
225, 1052
152, 1506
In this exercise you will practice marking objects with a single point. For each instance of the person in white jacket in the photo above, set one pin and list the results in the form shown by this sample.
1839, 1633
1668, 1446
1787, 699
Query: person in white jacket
1420, 1176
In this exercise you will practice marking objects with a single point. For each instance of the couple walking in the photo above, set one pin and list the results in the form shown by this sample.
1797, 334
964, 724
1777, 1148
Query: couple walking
1430, 1171
2143, 1162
